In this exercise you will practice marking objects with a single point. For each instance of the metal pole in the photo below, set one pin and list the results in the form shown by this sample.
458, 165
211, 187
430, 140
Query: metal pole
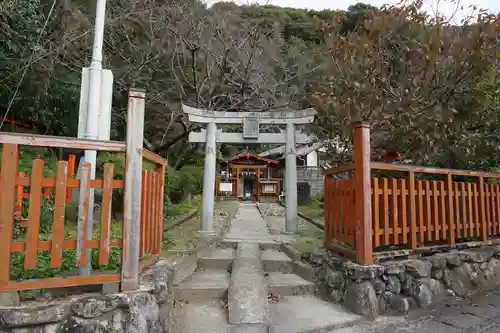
94, 99
290, 181
209, 179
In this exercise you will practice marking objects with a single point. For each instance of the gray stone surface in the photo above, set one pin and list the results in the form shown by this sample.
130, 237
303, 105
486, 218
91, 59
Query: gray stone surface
295, 314
276, 261
361, 298
313, 176
203, 285
220, 258
288, 284
249, 328
247, 298
199, 318
10, 298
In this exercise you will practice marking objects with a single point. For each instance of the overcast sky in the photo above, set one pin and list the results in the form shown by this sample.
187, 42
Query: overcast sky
445, 7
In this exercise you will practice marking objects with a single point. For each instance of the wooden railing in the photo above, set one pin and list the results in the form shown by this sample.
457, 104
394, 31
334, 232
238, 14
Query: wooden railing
367, 210
142, 213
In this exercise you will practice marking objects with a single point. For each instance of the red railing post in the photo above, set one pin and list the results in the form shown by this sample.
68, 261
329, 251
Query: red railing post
363, 200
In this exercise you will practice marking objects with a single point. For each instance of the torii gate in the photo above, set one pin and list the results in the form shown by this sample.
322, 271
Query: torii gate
251, 134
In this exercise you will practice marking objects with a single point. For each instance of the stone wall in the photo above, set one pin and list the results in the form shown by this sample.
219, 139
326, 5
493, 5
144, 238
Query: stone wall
398, 286
143, 311
313, 176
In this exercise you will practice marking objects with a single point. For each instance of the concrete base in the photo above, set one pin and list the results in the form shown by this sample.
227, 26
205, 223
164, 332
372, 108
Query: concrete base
247, 299
199, 318
221, 258
10, 298
249, 328
288, 284
276, 261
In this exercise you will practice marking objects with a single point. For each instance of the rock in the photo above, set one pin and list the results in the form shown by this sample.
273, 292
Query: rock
427, 291
437, 273
10, 298
317, 257
94, 306
78, 325
363, 272
379, 286
418, 268
479, 255
483, 266
383, 304
361, 298
458, 279
399, 304
437, 261
407, 283
158, 279
337, 295
19, 317
110, 288
454, 259
393, 268
333, 278
394, 284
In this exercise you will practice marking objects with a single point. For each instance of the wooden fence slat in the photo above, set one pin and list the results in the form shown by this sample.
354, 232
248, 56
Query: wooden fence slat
421, 224
493, 209
152, 234
444, 221
59, 212
83, 212
413, 210
484, 227
10, 160
428, 215
488, 207
404, 211
30, 255
385, 184
376, 212
107, 199
476, 211
395, 211
147, 213
451, 211
161, 186
497, 205
470, 217
458, 217
142, 238
435, 200
156, 211
464, 210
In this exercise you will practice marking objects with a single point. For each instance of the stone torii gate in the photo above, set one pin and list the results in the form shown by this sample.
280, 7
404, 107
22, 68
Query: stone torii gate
251, 134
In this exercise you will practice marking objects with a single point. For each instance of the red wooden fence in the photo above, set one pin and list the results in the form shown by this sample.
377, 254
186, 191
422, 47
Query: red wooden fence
365, 213
140, 235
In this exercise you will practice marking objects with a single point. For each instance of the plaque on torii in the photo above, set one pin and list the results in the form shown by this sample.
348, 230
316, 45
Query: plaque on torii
251, 134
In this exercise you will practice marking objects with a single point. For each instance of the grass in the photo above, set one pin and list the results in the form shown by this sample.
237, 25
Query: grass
314, 210
175, 213
310, 238
185, 238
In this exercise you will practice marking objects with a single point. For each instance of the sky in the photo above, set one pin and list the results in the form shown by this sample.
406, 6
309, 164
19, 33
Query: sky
445, 7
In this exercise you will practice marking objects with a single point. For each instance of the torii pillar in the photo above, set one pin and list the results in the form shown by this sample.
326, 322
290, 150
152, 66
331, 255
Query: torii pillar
251, 134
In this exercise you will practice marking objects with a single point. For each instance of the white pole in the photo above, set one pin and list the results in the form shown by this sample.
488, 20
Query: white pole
290, 181
207, 216
94, 99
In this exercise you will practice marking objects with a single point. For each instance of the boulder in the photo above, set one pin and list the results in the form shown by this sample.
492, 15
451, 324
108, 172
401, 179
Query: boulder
363, 272
95, 306
437, 273
333, 278
393, 268
455, 259
379, 286
394, 284
399, 304
19, 317
459, 279
361, 298
427, 291
437, 261
479, 255
418, 268
78, 325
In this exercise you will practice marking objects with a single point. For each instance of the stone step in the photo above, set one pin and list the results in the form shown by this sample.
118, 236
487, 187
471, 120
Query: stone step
203, 285
288, 284
307, 314
276, 261
247, 296
263, 244
220, 258
199, 318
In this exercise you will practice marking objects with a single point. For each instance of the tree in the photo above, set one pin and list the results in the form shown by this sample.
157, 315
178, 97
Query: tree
425, 86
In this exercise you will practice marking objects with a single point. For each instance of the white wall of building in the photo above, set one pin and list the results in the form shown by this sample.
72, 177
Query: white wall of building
312, 159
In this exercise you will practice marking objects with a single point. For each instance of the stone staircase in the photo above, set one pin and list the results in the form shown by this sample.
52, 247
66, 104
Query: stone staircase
251, 286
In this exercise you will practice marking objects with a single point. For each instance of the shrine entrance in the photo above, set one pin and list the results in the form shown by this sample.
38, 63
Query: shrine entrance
249, 177
251, 122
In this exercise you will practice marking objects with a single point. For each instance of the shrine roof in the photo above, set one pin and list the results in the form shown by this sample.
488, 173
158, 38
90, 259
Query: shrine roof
250, 157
